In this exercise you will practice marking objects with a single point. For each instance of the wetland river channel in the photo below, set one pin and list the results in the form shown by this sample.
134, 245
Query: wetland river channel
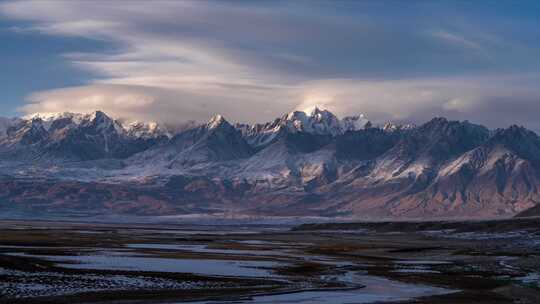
47, 262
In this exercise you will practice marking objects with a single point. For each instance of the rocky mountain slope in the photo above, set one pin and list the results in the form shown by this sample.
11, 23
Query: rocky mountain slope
301, 164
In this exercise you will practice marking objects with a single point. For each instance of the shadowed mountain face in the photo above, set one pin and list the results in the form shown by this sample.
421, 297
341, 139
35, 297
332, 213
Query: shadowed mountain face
302, 164
531, 212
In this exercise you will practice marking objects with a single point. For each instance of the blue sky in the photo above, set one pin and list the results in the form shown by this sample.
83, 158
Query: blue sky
254, 60
33, 62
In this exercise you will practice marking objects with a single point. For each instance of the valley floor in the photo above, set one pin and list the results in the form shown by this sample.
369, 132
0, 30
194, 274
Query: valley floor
437, 262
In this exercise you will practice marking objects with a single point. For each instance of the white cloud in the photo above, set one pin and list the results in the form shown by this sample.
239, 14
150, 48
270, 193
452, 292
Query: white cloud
161, 104
496, 101
493, 101
457, 39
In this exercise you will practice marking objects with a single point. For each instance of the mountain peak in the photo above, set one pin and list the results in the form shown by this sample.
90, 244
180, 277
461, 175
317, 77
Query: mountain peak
514, 134
354, 123
103, 122
216, 121
320, 121
296, 115
145, 130
52, 116
100, 116
315, 111
393, 127
436, 122
515, 129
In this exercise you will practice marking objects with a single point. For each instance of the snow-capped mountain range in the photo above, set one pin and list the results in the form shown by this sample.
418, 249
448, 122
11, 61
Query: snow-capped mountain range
301, 164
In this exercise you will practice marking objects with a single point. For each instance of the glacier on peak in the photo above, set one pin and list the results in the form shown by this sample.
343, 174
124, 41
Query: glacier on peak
314, 120
323, 122
215, 121
291, 165
99, 118
150, 129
